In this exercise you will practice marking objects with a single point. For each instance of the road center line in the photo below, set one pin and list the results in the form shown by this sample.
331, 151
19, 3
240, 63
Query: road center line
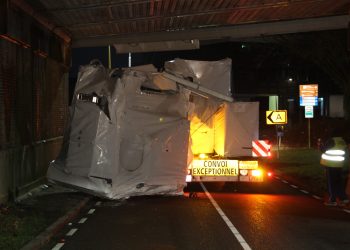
346, 210
233, 229
71, 232
91, 211
317, 197
82, 220
58, 246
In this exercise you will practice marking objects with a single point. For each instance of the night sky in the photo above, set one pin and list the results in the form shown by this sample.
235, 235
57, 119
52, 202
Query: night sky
256, 67
259, 70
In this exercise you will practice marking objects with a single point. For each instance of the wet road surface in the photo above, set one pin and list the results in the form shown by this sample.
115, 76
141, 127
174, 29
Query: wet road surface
221, 216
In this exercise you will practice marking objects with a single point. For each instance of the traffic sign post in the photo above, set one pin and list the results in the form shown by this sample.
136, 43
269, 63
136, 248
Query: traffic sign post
280, 133
308, 101
308, 90
278, 118
309, 113
309, 132
309, 97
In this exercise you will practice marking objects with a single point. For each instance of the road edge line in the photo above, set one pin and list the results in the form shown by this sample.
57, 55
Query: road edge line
233, 229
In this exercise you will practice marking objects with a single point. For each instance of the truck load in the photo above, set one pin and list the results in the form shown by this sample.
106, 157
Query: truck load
130, 131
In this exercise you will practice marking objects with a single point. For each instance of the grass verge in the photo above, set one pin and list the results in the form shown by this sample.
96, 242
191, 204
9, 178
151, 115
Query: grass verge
19, 225
22, 221
302, 166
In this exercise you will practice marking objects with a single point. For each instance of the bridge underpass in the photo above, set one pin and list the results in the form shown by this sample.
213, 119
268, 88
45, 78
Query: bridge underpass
36, 39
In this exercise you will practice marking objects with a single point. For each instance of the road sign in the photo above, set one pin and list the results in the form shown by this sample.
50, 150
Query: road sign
212, 167
308, 90
309, 112
308, 101
308, 95
276, 117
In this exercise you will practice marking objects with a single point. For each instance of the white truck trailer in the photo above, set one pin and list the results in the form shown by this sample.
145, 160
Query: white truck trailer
222, 146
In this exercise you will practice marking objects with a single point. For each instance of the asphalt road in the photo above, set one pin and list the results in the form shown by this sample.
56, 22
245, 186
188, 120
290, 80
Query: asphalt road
276, 216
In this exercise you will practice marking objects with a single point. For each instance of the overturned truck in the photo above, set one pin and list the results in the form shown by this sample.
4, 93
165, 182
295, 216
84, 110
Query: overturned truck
129, 131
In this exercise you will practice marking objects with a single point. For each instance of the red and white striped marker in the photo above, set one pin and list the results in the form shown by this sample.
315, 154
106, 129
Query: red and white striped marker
261, 148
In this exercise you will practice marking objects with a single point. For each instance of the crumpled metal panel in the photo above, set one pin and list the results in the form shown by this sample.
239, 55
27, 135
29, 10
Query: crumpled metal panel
133, 143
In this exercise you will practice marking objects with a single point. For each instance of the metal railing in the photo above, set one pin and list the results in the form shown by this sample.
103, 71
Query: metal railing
30, 170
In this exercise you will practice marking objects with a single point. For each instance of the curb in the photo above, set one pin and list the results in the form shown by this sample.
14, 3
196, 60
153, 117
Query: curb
44, 237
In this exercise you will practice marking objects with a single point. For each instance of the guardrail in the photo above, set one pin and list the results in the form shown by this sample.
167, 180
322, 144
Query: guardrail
25, 166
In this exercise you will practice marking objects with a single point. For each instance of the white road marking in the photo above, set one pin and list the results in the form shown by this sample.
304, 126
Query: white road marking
58, 246
277, 177
317, 197
307, 192
71, 232
82, 220
91, 211
233, 229
98, 203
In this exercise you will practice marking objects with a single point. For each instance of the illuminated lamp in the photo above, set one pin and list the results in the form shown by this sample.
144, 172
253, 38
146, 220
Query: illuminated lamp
203, 156
243, 172
256, 172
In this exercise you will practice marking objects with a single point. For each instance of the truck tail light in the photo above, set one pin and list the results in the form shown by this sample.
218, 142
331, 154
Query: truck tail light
243, 172
256, 172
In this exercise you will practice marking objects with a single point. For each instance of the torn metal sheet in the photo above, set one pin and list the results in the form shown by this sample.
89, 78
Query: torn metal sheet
124, 139
129, 130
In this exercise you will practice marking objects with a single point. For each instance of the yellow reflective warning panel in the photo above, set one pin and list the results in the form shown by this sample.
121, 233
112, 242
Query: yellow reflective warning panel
215, 167
248, 165
276, 117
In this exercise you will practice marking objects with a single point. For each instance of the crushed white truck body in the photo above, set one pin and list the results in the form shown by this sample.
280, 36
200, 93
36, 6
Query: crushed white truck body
129, 130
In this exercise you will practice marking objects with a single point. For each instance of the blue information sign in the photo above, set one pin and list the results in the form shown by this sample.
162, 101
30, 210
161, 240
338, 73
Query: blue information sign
308, 101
